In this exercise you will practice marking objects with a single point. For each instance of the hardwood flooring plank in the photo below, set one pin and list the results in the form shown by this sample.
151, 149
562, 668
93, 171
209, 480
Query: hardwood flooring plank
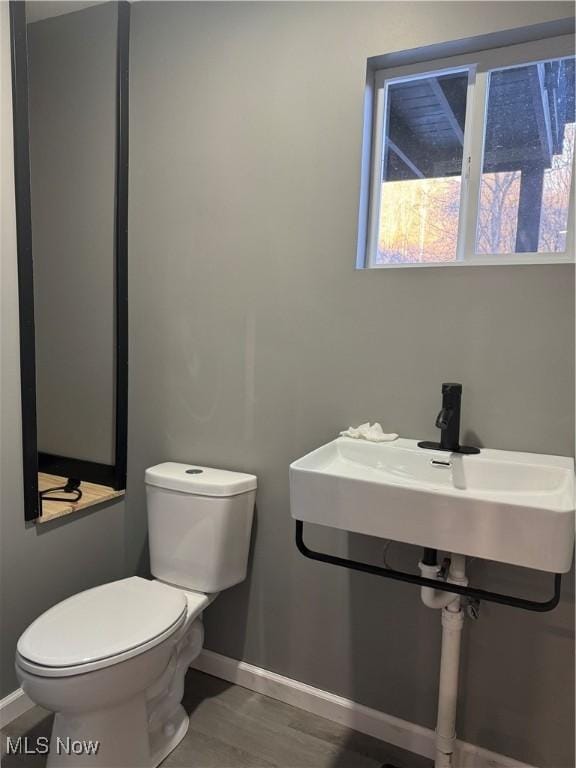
233, 727
199, 750
200, 687
275, 743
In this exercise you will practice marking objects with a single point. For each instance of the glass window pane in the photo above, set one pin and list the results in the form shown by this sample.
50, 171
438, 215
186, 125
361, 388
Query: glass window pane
422, 169
528, 159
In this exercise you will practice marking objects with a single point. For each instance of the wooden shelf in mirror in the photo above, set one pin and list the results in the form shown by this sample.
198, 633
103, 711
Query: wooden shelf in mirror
92, 494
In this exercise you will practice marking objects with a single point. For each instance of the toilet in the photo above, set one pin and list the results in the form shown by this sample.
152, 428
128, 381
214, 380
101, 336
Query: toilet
110, 662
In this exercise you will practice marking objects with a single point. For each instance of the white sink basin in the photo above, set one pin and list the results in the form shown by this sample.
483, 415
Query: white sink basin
511, 507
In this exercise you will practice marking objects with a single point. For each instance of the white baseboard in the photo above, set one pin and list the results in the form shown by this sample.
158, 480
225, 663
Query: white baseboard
14, 705
401, 733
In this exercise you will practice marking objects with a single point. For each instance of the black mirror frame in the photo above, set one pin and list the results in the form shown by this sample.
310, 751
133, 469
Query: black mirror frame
113, 475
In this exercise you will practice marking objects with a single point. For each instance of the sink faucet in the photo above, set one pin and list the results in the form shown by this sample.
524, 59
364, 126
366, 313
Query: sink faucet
448, 422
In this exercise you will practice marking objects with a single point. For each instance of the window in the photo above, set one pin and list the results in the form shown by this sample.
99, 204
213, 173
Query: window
472, 159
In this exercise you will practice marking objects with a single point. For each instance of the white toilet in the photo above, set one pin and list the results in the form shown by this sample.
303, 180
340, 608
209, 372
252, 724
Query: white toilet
111, 661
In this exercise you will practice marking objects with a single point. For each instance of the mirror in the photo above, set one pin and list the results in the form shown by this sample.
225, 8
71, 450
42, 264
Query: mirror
70, 84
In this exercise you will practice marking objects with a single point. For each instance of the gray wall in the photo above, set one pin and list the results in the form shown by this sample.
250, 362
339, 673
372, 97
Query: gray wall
72, 111
253, 340
38, 565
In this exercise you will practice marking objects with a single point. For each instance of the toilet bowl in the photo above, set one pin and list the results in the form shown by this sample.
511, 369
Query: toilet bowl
110, 662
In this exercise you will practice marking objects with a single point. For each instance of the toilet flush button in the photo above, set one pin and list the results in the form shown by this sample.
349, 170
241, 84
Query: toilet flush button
194, 471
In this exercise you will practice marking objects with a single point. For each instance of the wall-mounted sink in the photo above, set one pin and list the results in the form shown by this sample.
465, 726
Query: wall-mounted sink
515, 508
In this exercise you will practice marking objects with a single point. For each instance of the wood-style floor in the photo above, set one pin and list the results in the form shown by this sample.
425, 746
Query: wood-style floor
231, 727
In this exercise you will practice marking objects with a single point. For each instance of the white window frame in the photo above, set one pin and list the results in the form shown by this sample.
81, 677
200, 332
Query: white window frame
478, 65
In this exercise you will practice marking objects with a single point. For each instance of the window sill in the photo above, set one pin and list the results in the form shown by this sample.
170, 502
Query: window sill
92, 495
479, 261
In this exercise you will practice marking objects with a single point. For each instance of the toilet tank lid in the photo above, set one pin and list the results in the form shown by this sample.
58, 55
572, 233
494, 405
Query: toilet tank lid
201, 481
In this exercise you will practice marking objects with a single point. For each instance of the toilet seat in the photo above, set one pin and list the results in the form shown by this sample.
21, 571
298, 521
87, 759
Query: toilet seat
102, 626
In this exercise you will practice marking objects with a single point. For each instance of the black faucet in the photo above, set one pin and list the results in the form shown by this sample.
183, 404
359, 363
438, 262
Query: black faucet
448, 422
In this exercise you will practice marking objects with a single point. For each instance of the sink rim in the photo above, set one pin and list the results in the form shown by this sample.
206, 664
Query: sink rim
560, 499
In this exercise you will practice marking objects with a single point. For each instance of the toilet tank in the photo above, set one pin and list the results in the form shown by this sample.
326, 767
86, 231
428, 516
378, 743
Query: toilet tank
199, 524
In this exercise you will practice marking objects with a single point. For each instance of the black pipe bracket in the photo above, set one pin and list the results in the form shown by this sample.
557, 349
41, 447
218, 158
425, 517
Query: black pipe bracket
422, 581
